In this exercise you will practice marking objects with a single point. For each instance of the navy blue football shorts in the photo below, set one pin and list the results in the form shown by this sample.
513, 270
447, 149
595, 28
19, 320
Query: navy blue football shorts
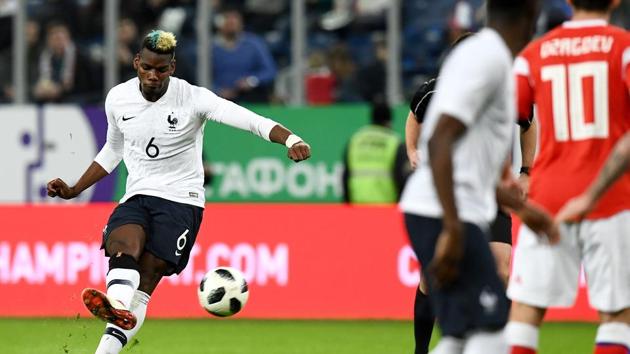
171, 228
476, 300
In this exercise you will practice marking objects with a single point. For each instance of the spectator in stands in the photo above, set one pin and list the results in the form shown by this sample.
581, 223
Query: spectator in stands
345, 12
262, 15
372, 77
127, 47
243, 69
63, 71
319, 80
33, 49
343, 68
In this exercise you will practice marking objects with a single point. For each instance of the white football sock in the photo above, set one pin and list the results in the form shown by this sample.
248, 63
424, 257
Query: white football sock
449, 345
114, 337
522, 334
614, 333
486, 342
121, 284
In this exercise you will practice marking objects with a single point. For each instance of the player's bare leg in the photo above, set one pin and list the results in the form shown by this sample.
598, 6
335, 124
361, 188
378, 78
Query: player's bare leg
523, 329
151, 272
502, 253
124, 245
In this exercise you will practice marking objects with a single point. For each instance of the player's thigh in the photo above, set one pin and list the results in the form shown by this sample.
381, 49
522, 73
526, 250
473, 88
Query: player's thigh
173, 231
606, 246
126, 229
477, 300
502, 253
545, 275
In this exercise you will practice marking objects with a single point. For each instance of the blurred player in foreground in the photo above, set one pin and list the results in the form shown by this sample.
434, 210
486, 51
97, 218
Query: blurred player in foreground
501, 227
450, 199
155, 123
579, 78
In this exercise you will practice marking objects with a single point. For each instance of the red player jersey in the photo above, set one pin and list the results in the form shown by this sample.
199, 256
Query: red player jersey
578, 78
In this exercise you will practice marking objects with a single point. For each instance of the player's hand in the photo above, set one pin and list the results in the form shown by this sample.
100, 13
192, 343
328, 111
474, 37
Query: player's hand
540, 222
510, 194
523, 183
299, 151
412, 155
58, 188
575, 209
448, 254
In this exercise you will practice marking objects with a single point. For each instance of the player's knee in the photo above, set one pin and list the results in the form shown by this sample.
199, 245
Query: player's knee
118, 246
620, 316
527, 314
504, 273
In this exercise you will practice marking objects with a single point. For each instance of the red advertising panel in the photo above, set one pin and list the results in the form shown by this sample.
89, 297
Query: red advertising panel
301, 261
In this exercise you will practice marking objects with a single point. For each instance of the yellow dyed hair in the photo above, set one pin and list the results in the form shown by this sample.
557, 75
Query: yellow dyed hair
160, 42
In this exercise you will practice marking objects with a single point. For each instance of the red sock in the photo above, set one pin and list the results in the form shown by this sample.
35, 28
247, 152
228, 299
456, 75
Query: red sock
515, 349
610, 348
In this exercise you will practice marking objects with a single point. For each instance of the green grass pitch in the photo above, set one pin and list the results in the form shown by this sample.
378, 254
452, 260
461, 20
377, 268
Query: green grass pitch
237, 336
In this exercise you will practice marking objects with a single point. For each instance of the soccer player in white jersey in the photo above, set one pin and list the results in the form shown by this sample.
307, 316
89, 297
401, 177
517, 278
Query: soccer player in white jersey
155, 124
450, 199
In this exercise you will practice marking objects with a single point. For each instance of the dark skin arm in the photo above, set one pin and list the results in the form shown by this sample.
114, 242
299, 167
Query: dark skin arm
298, 152
449, 247
58, 188
509, 195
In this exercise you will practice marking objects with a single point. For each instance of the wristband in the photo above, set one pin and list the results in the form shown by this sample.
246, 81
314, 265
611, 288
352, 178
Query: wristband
525, 170
292, 140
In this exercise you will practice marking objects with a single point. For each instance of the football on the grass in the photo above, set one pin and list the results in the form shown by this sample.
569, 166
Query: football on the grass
223, 291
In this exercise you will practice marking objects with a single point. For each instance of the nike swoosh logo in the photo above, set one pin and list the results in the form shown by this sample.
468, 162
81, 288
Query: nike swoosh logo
127, 118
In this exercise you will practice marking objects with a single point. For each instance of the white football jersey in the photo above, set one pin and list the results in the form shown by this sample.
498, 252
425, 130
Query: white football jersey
161, 142
476, 86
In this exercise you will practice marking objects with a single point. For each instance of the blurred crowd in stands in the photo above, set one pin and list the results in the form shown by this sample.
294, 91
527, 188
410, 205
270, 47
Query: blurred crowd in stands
346, 45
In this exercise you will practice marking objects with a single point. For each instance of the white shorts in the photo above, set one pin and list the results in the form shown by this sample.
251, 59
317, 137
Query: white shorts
547, 276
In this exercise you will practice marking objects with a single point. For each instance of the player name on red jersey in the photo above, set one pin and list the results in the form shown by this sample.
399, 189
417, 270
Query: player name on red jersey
576, 46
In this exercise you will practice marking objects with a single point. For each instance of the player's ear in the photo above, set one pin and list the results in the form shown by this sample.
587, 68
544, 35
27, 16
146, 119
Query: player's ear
136, 61
173, 66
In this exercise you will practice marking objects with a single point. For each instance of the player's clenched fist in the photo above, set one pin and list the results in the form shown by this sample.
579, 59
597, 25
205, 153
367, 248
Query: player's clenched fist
58, 188
299, 151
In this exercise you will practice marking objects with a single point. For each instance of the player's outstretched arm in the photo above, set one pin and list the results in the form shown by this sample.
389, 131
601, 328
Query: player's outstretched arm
226, 112
412, 132
58, 188
298, 149
616, 165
